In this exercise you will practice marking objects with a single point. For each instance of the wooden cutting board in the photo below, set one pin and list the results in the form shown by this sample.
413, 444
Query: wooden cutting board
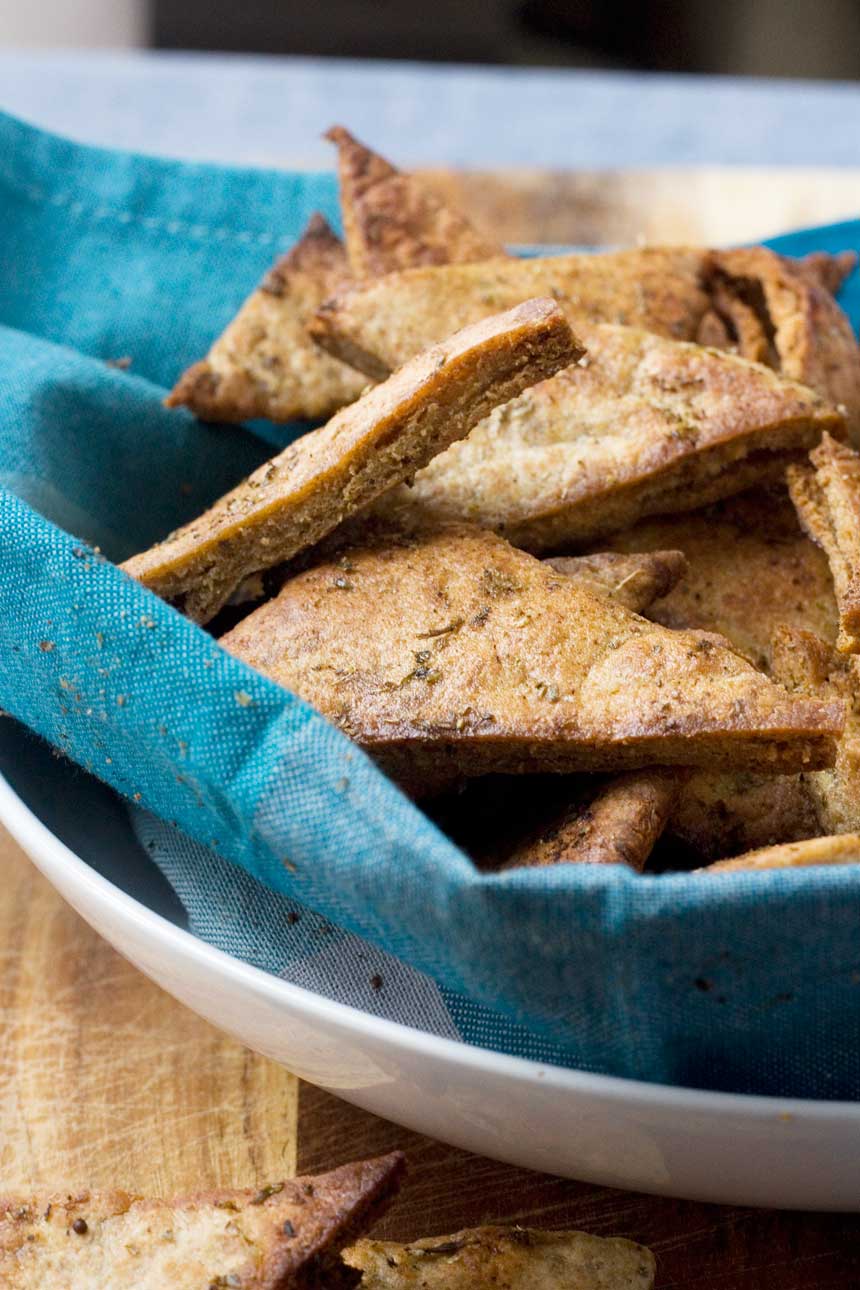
106, 1081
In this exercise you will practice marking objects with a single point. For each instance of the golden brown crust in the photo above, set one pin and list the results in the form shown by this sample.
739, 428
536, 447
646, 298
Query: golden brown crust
807, 665
810, 338
619, 825
634, 579
748, 545
642, 425
324, 477
289, 1234
483, 659
841, 849
377, 326
392, 222
265, 364
499, 1258
827, 500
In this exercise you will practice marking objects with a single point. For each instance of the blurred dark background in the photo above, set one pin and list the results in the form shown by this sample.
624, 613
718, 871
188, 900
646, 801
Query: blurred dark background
804, 38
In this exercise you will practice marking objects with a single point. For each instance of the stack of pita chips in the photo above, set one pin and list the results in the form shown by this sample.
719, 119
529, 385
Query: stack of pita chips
545, 540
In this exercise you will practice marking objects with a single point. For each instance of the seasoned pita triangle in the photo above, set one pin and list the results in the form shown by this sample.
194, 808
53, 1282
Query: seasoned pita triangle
642, 425
282, 1237
618, 825
827, 499
453, 652
391, 221
298, 497
773, 304
505, 1258
377, 326
265, 364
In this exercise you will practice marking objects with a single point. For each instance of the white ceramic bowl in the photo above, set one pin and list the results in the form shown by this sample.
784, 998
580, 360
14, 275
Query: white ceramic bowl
622, 1133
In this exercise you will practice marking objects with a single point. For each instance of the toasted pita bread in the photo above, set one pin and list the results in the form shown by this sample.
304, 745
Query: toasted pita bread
634, 580
643, 425
265, 364
809, 666
505, 1258
377, 326
619, 825
748, 548
827, 499
483, 659
807, 335
322, 478
391, 221
841, 849
282, 1236
826, 270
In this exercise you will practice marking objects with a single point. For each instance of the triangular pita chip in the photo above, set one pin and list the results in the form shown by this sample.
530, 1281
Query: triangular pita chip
843, 848
265, 364
827, 498
750, 546
505, 1258
781, 307
298, 497
619, 824
807, 665
377, 326
391, 221
642, 425
634, 580
280, 1237
453, 651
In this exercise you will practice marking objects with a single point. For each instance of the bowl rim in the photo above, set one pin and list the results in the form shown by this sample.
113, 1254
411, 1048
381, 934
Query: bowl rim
51, 855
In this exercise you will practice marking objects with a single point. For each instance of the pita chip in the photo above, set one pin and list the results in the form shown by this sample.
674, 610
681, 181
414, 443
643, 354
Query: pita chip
635, 579
826, 496
265, 364
483, 659
642, 425
282, 1237
843, 848
377, 326
749, 545
325, 476
767, 300
391, 221
618, 825
505, 1258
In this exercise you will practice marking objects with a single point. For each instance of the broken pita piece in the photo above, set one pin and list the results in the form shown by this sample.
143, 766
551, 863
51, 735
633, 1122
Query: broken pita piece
643, 425
391, 221
634, 580
377, 326
279, 1237
827, 499
723, 813
298, 497
505, 1258
483, 659
618, 825
843, 848
826, 270
781, 306
265, 364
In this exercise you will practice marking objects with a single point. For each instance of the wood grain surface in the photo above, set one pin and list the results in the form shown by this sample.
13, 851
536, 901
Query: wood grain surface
709, 205
105, 1080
